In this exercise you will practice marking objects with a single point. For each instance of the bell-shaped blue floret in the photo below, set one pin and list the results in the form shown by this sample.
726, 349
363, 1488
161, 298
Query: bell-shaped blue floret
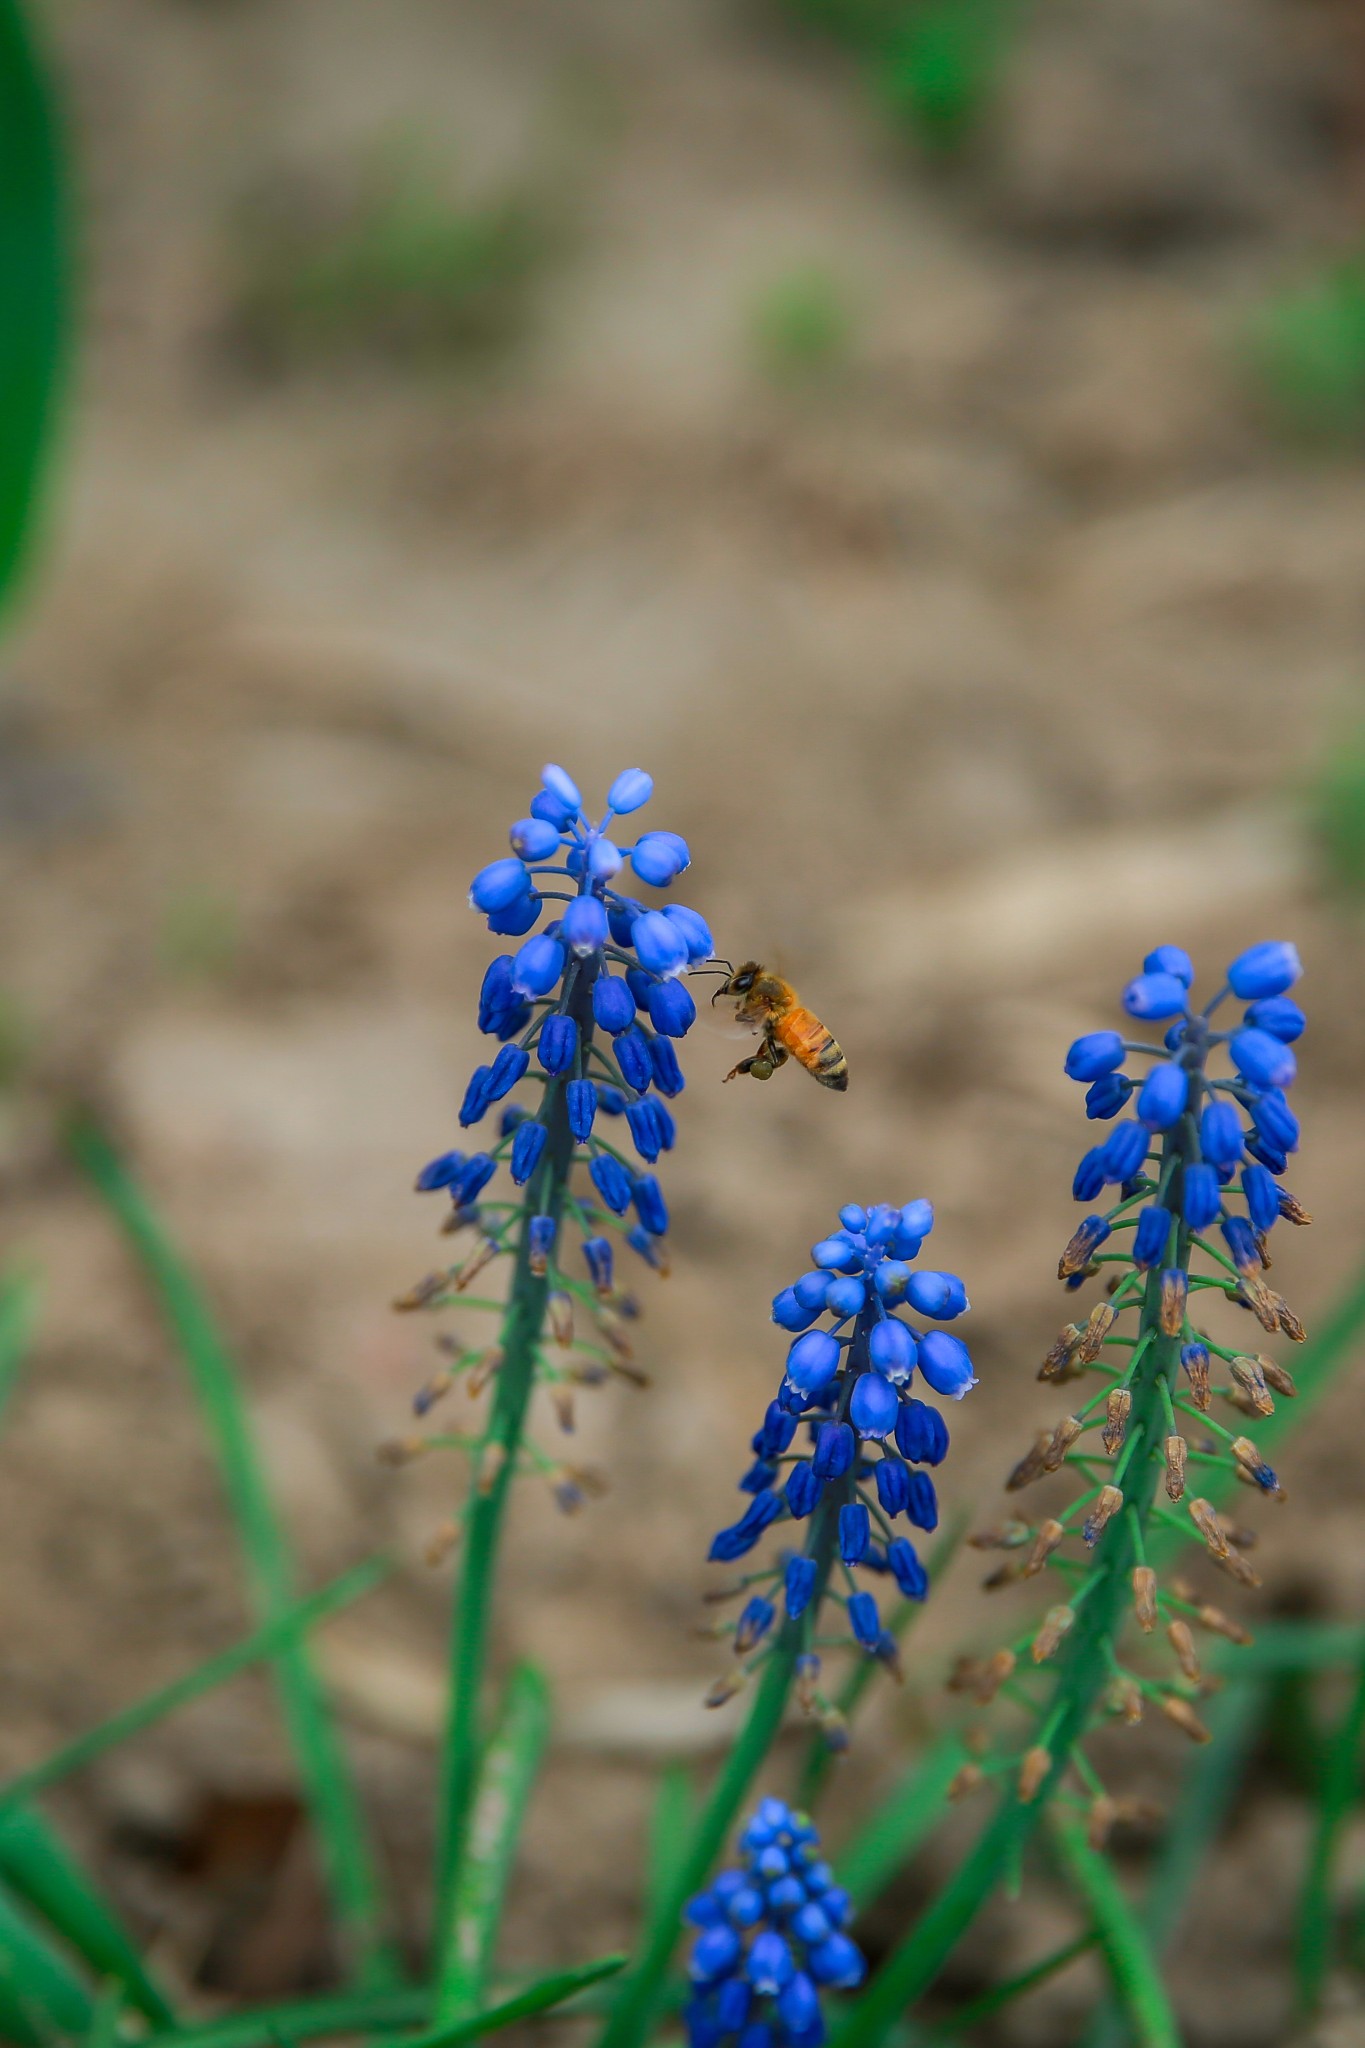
812, 1361
534, 839
946, 1364
798, 2008
734, 1999
442, 1172
803, 1490
472, 1179
659, 858
612, 1182
668, 1075
715, 1953
1105, 1098
891, 1348
1265, 1061
906, 1568
1163, 1096
562, 788
695, 931
1202, 1198
1151, 1236
650, 1205
1124, 1151
891, 1277
516, 918
659, 945
476, 1096
633, 1058
671, 1008
798, 1585
940, 1295
1278, 1015
631, 790
922, 1508
788, 1313
741, 1537
864, 1619
873, 1405
581, 1103
557, 1046
496, 993
1170, 960
1275, 1120
597, 1251
921, 1433
835, 1446
811, 1290
1220, 1134
506, 1070
583, 927
1094, 1054
644, 1128
1152, 996
501, 883
527, 1146
837, 1962
770, 1966
1089, 1176
837, 1254
1265, 970
893, 1485
855, 1532
1262, 1196
538, 965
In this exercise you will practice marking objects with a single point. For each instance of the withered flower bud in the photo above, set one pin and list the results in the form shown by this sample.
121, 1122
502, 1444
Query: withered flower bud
1183, 1714
1036, 1764
1098, 1325
1059, 1443
439, 1545
1050, 1534
1181, 1640
1117, 1409
1030, 1466
1205, 1518
970, 1778
1107, 1505
1056, 1624
1175, 1293
1144, 1597
1176, 1453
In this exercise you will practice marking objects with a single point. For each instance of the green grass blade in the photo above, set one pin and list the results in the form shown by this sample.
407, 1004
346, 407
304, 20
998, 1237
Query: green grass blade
39, 1991
36, 1866
819, 1759
993, 2001
898, 1827
266, 1642
104, 2023
328, 1785
1122, 1938
18, 1315
670, 1825
550, 1991
1340, 1765
308, 2019
506, 1776
33, 280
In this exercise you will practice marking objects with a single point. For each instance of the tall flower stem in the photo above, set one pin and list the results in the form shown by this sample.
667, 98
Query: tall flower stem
1084, 1668
523, 1322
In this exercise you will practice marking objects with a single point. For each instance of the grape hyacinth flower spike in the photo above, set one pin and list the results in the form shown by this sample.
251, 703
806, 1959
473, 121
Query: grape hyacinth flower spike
847, 1492
1197, 1173
586, 1014
770, 1940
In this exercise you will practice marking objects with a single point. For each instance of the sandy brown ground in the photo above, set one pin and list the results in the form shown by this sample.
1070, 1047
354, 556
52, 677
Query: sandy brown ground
970, 673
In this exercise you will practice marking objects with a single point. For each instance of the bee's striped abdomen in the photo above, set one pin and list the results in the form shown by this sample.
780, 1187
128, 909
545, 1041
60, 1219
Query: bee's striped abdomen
819, 1052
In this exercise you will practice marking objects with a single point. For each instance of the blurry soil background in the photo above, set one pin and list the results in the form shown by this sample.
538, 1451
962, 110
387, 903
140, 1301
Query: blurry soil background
467, 387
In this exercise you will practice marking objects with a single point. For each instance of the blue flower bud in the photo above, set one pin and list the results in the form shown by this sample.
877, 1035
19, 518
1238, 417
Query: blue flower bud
846, 1294
513, 1115
1202, 1198
891, 1348
923, 1506
517, 918
630, 791
644, 1129
649, 1248
597, 1251
1161, 1101
1241, 1242
695, 931
583, 927
538, 965
1153, 996
496, 994
604, 859
909, 1573
1090, 1175
1170, 960
811, 1924
872, 1405
921, 1433
506, 1070
540, 1236
799, 1585
835, 1446
946, 1364
1265, 1061
581, 1102
813, 1361
664, 1123
836, 1255
788, 1313
746, 1905
891, 1279
853, 1217
552, 810
864, 1619
893, 1485
527, 1146
837, 1962
1194, 1358
1265, 970
940, 1295
803, 1490
622, 912
855, 1531
917, 1220
671, 1008
500, 884
659, 945
668, 1075
440, 1173
633, 1058
775, 1433
1278, 1015
756, 1618
659, 857
611, 1181
716, 1951
1095, 1054
562, 788
1276, 1121
1220, 1134
1124, 1151
557, 1046
1150, 1238
650, 1205
741, 1537
473, 1178
476, 1096
770, 1967
534, 839
733, 2000
1262, 1196
798, 2008
1105, 1098
811, 1290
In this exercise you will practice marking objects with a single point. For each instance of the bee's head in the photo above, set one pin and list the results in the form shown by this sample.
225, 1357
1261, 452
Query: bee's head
743, 979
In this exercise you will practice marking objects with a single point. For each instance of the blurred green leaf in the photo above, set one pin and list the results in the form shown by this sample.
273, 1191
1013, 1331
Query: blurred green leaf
37, 1867
326, 1776
1307, 346
40, 1995
942, 64
670, 1824
18, 1315
1122, 1938
901, 1822
33, 279
1334, 810
506, 1775
802, 325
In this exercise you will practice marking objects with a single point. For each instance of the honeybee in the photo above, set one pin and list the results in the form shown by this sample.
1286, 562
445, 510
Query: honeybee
770, 1005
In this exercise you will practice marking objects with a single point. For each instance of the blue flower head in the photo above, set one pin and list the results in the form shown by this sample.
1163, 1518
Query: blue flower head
770, 1940
836, 1447
587, 1011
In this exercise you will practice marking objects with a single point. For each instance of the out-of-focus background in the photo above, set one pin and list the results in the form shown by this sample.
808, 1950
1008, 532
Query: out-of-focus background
927, 439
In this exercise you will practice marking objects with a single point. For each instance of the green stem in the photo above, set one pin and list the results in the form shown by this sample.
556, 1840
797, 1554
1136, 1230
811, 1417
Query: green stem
1336, 1799
523, 1322
1132, 1966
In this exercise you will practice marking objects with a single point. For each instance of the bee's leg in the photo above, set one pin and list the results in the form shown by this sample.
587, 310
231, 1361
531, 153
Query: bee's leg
764, 1064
